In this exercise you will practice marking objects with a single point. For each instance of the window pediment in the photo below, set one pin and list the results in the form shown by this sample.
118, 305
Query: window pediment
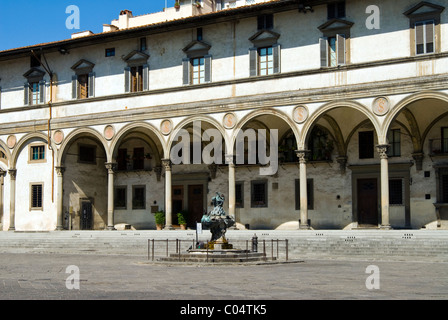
424, 8
34, 75
136, 58
196, 49
83, 67
335, 25
264, 38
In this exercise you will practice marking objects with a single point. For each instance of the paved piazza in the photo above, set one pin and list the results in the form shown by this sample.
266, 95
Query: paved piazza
113, 277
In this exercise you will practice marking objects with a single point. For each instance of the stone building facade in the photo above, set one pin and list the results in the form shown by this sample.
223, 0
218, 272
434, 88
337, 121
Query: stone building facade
356, 91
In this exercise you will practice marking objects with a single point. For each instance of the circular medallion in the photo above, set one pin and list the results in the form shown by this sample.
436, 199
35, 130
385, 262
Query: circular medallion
166, 127
381, 106
109, 132
229, 121
58, 137
300, 114
11, 141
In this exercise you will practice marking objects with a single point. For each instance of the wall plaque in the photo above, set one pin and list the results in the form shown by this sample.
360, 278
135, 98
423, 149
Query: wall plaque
381, 106
300, 114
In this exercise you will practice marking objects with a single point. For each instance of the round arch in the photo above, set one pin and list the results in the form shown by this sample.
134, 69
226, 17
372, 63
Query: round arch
312, 120
6, 151
400, 106
267, 111
189, 120
77, 134
130, 128
23, 141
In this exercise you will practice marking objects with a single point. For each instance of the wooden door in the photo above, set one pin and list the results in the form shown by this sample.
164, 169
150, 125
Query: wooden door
86, 215
368, 202
178, 202
195, 204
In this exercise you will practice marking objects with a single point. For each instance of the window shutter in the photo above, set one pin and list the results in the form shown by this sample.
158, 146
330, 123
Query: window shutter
127, 79
26, 94
340, 44
91, 80
419, 38
276, 52
323, 52
429, 33
145, 77
75, 87
186, 71
208, 68
42, 91
253, 57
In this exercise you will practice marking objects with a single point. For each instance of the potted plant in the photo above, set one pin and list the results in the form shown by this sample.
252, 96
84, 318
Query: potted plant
197, 4
160, 219
177, 5
182, 219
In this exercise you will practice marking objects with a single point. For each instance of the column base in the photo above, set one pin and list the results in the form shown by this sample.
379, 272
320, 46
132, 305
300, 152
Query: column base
170, 227
59, 228
386, 227
111, 228
12, 229
304, 227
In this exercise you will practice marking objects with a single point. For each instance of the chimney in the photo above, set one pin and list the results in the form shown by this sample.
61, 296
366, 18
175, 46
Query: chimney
123, 19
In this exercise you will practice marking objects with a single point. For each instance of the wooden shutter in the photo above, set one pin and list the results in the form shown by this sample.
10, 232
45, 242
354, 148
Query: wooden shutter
253, 62
429, 37
186, 71
276, 54
26, 94
75, 87
323, 52
127, 79
208, 68
340, 45
42, 91
419, 38
91, 85
145, 77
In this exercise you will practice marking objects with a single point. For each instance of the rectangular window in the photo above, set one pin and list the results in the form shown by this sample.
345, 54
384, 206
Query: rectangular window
265, 22
259, 196
336, 10
120, 198
424, 37
394, 138
137, 79
138, 197
122, 159
444, 188
444, 142
309, 193
87, 154
143, 46
366, 145
333, 51
266, 61
36, 196
110, 52
197, 70
34, 93
83, 86
239, 195
37, 153
396, 192
139, 158
199, 36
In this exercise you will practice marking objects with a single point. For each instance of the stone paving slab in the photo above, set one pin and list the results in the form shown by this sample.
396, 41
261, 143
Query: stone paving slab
115, 277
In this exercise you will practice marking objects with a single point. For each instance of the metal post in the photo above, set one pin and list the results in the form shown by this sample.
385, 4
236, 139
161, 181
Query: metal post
207, 250
286, 249
264, 249
152, 249
272, 249
167, 247
149, 241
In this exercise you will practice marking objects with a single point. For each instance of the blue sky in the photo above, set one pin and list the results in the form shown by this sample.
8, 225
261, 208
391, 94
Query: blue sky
27, 22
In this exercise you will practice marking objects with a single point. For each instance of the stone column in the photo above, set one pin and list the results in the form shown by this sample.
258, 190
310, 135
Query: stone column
301, 154
110, 196
12, 191
232, 193
168, 195
60, 195
2, 176
382, 151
